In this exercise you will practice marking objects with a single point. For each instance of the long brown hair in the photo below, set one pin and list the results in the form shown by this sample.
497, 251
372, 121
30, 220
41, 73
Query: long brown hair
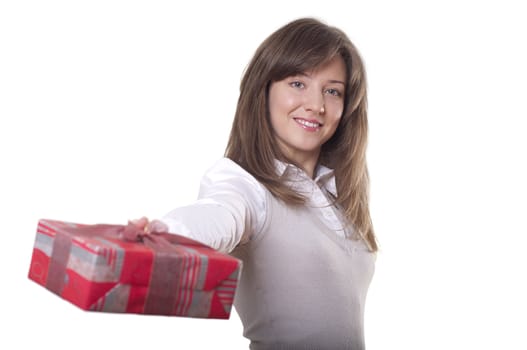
296, 48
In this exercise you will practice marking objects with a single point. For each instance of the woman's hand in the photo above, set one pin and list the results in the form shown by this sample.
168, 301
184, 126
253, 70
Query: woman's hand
149, 226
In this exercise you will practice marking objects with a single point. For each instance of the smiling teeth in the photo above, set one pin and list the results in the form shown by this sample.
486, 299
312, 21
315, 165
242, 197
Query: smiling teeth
308, 124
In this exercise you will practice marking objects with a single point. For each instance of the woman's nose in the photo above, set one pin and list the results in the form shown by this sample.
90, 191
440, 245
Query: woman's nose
315, 102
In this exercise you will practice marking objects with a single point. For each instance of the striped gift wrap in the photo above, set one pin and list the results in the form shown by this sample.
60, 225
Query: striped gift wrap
92, 267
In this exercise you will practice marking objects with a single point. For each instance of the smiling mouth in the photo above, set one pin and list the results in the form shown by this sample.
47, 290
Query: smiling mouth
307, 124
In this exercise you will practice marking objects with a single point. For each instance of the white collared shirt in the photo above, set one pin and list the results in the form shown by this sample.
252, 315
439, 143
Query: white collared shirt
231, 205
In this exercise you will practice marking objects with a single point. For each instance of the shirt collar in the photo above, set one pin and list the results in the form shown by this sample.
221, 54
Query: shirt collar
324, 176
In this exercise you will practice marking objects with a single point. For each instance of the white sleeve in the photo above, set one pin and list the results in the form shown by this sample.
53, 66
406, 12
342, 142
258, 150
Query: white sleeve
229, 210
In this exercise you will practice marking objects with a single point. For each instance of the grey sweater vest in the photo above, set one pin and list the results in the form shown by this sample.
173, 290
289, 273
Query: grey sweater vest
302, 286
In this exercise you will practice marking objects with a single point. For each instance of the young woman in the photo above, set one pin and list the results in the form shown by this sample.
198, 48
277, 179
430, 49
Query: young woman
290, 199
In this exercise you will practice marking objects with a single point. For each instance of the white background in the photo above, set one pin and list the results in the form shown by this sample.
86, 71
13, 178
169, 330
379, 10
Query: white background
110, 110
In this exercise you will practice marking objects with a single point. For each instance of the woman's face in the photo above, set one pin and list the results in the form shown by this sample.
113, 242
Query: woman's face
305, 110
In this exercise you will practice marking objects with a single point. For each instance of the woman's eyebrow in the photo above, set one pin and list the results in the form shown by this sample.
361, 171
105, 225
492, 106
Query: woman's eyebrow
307, 75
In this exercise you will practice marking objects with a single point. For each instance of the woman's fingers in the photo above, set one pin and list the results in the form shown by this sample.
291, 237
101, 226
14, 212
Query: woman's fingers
156, 226
149, 226
140, 223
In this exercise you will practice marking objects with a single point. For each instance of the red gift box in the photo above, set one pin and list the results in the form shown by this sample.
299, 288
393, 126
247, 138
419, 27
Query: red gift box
98, 268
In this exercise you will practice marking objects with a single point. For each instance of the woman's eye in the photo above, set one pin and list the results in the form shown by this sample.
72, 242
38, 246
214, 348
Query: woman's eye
297, 84
333, 92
